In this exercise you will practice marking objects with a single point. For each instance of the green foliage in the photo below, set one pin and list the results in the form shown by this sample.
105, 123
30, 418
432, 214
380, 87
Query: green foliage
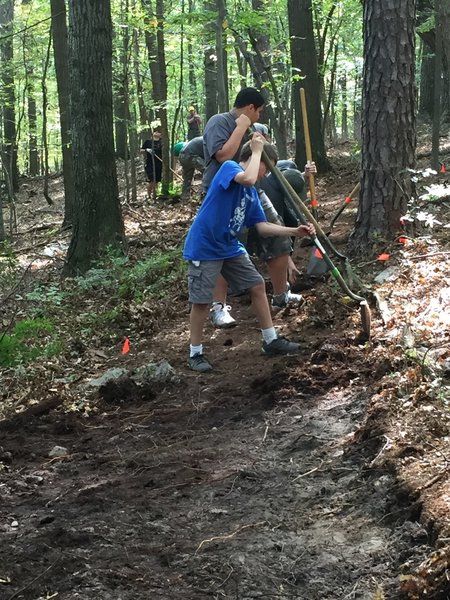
101, 320
46, 296
152, 276
146, 278
28, 340
8, 266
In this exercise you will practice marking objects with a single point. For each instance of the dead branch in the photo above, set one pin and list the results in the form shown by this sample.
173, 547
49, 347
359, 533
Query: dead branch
229, 536
37, 410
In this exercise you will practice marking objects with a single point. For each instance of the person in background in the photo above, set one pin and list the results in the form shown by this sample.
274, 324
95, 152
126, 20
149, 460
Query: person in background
191, 160
152, 150
213, 249
194, 122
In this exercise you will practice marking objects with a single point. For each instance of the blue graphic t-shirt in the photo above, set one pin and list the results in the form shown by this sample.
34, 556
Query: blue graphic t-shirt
227, 208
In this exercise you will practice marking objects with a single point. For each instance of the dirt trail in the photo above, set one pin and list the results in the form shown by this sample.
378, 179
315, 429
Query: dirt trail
240, 484
288, 478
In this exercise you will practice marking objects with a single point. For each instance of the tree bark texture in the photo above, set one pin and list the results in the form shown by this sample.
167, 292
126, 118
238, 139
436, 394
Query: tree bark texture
8, 96
445, 24
98, 220
304, 66
388, 121
161, 98
222, 63
61, 59
426, 93
121, 101
210, 64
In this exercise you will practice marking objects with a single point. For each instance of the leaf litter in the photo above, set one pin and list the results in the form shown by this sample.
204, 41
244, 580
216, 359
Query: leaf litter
323, 476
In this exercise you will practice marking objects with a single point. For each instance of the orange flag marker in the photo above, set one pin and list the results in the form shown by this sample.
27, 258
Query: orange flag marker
443, 169
126, 346
384, 257
403, 240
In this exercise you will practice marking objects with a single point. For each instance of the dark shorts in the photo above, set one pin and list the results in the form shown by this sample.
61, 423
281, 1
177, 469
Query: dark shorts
266, 248
154, 174
239, 272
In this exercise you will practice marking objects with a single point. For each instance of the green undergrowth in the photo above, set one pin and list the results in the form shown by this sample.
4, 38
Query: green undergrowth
143, 279
28, 340
103, 304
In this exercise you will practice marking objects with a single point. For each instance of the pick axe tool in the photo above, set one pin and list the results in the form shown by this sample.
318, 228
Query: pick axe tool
304, 215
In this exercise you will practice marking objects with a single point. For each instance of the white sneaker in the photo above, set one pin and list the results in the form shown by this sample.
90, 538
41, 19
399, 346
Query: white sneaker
220, 316
288, 298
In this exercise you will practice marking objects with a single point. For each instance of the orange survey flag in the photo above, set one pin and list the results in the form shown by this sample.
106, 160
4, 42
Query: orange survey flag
126, 346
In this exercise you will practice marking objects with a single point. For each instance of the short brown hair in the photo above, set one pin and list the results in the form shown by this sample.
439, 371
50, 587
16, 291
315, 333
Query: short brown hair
270, 150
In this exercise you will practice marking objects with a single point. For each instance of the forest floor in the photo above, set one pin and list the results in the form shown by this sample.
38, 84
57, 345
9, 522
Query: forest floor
323, 476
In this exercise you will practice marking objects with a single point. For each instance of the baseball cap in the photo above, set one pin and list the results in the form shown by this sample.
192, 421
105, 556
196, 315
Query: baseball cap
261, 128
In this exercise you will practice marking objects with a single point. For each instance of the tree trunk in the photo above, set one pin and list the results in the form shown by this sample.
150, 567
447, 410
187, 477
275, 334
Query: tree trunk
193, 95
2, 222
445, 19
33, 157
61, 58
98, 220
438, 64
344, 110
388, 125
304, 64
222, 74
261, 65
9, 150
157, 60
120, 101
143, 115
210, 65
426, 93
160, 96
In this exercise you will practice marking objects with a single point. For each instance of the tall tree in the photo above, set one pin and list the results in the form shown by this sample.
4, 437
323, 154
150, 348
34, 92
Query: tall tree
438, 71
33, 156
122, 84
388, 122
97, 220
61, 59
157, 59
8, 99
210, 62
221, 58
305, 74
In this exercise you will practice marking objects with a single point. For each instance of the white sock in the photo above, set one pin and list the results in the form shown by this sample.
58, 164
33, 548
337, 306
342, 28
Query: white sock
195, 350
216, 305
269, 334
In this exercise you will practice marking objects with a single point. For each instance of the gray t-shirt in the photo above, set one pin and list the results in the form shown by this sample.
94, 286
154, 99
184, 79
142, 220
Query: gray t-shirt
194, 147
217, 132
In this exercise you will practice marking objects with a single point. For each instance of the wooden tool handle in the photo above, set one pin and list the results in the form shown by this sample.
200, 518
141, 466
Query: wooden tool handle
311, 182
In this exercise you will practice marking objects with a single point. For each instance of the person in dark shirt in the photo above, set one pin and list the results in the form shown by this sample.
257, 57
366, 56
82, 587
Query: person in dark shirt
191, 160
152, 149
194, 121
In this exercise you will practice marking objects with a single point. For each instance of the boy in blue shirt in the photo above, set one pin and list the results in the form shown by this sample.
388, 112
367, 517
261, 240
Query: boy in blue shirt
212, 247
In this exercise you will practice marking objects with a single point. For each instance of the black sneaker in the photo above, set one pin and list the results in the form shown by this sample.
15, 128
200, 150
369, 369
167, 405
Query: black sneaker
199, 363
280, 346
